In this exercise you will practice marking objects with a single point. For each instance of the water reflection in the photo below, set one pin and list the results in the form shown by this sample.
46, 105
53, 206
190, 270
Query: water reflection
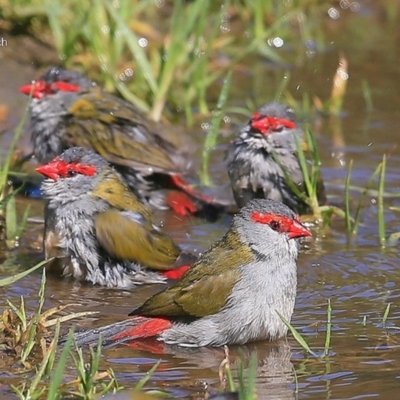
196, 367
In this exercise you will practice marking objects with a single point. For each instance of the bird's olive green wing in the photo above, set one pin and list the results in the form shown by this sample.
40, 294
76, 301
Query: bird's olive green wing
117, 132
114, 190
205, 287
126, 230
124, 237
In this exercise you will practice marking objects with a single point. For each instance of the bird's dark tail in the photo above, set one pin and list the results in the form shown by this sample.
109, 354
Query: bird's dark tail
120, 332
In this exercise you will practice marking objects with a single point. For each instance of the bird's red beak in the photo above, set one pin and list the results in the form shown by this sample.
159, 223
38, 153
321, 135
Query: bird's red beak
49, 171
34, 88
298, 230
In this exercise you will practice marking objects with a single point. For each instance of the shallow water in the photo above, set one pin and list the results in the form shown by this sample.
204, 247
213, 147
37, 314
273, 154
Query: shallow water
358, 276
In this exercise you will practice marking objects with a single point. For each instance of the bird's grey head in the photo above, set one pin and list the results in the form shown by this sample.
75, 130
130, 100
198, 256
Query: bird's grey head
268, 225
277, 110
58, 74
54, 81
275, 124
72, 175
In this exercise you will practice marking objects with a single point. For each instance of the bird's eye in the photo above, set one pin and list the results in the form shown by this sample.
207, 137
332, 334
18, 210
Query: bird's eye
71, 173
275, 225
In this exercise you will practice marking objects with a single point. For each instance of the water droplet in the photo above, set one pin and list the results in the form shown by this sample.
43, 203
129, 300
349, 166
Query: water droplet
278, 42
344, 4
333, 13
355, 6
205, 126
129, 72
143, 42
225, 27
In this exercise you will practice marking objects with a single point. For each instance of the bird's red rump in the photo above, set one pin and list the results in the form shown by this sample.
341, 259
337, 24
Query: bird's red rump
178, 181
281, 224
180, 203
61, 169
41, 88
146, 327
176, 273
265, 124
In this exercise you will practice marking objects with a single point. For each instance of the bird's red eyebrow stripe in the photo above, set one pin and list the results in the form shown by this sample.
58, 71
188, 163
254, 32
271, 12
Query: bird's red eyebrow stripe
285, 222
41, 88
66, 87
266, 124
63, 168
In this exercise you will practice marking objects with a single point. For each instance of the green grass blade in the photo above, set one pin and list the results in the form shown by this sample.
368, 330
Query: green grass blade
229, 377
43, 365
315, 161
11, 220
133, 44
381, 212
304, 166
212, 134
22, 224
5, 167
288, 179
386, 314
19, 312
54, 12
347, 214
26, 351
328, 328
364, 193
58, 374
367, 95
139, 386
300, 340
250, 389
10, 280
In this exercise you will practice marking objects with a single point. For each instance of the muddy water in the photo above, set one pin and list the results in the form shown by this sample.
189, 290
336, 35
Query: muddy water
357, 275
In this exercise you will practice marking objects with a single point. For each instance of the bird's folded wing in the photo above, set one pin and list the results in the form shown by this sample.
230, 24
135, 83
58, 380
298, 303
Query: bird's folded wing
118, 134
213, 276
123, 236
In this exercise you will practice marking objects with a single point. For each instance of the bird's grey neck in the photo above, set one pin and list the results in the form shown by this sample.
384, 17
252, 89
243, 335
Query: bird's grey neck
72, 202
